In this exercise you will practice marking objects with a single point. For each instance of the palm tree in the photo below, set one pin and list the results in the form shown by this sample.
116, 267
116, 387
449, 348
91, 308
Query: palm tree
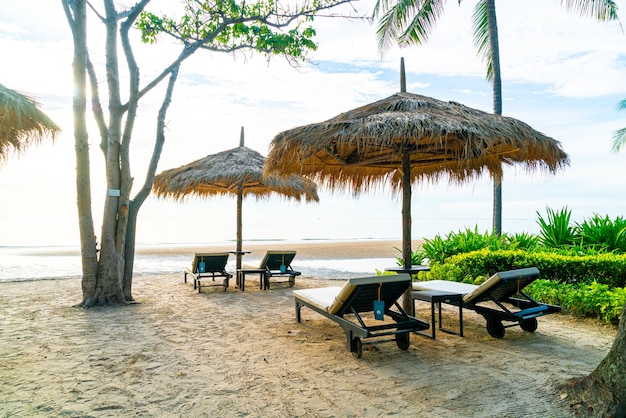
410, 22
619, 136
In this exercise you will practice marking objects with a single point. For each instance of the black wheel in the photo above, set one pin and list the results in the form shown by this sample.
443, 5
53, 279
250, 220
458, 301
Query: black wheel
495, 328
529, 325
403, 340
357, 347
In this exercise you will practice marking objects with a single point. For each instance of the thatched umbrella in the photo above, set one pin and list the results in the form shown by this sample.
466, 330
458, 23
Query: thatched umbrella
238, 171
21, 122
406, 138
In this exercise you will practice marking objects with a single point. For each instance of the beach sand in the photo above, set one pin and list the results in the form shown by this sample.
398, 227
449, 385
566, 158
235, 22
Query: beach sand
178, 353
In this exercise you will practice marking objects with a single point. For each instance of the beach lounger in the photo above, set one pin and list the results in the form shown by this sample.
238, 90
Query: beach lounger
208, 265
489, 299
274, 264
345, 305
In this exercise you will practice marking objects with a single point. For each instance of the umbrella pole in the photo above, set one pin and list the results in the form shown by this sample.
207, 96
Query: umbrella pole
406, 210
406, 224
239, 225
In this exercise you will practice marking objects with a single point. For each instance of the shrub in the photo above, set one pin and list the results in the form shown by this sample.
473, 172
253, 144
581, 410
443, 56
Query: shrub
556, 231
602, 234
585, 300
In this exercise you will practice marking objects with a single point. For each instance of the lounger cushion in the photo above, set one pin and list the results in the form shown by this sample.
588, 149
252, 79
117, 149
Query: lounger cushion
321, 297
445, 286
332, 299
472, 292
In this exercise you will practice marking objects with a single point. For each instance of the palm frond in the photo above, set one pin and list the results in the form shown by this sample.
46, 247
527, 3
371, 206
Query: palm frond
406, 21
480, 26
603, 10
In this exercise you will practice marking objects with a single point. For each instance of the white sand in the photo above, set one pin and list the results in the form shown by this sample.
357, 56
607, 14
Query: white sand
235, 354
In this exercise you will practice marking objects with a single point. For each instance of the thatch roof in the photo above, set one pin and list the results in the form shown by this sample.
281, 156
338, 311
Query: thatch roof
365, 146
227, 171
21, 122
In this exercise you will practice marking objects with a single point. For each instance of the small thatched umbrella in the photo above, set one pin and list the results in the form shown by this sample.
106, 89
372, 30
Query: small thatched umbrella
21, 122
405, 138
238, 171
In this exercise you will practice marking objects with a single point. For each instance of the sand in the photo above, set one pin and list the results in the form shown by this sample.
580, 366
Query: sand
241, 354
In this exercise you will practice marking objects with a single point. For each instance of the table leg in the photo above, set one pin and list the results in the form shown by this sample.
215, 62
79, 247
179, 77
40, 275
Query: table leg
432, 318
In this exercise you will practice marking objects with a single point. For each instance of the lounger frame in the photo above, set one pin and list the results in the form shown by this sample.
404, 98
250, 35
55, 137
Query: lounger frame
269, 267
214, 267
361, 300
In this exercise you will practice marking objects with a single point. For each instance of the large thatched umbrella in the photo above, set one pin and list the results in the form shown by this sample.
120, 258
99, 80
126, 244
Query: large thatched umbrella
405, 138
21, 122
238, 171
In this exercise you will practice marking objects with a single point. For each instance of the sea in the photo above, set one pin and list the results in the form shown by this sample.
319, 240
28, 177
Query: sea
18, 263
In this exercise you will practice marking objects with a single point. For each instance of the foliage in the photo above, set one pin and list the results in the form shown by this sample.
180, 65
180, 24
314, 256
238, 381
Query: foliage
607, 268
556, 231
602, 234
438, 249
417, 257
227, 26
619, 136
585, 300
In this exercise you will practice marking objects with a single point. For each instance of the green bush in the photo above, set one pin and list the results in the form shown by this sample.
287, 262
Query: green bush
609, 269
583, 266
585, 300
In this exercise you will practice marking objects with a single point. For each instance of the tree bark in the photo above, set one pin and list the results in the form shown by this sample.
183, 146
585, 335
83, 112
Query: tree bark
603, 392
76, 15
137, 202
497, 107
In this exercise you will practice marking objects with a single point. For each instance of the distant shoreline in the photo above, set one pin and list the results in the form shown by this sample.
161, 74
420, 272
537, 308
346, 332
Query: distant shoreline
313, 249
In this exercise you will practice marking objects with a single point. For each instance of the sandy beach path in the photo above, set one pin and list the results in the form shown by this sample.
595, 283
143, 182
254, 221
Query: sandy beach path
241, 354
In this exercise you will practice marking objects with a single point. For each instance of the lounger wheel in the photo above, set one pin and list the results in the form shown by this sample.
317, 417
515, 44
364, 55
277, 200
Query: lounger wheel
357, 347
529, 325
403, 340
495, 328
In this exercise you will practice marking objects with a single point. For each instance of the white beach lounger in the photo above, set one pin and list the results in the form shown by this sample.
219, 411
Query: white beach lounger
503, 287
345, 305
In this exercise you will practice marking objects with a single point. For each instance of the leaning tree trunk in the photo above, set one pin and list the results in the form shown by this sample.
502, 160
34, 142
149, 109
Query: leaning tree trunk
603, 392
135, 204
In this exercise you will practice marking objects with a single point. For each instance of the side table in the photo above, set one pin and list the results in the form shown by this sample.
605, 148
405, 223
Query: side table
437, 297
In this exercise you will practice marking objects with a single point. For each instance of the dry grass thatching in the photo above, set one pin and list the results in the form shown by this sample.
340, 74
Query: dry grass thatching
227, 172
21, 122
365, 146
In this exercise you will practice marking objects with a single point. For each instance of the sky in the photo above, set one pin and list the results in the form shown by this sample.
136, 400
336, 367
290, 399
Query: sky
562, 74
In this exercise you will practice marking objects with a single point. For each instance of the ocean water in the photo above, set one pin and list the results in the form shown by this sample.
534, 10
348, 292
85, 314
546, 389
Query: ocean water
35, 263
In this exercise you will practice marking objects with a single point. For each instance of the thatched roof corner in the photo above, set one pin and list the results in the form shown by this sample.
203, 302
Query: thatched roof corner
22, 123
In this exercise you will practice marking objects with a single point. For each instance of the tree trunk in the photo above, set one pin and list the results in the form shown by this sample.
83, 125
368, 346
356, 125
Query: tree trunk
603, 392
137, 202
77, 19
497, 107
129, 251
